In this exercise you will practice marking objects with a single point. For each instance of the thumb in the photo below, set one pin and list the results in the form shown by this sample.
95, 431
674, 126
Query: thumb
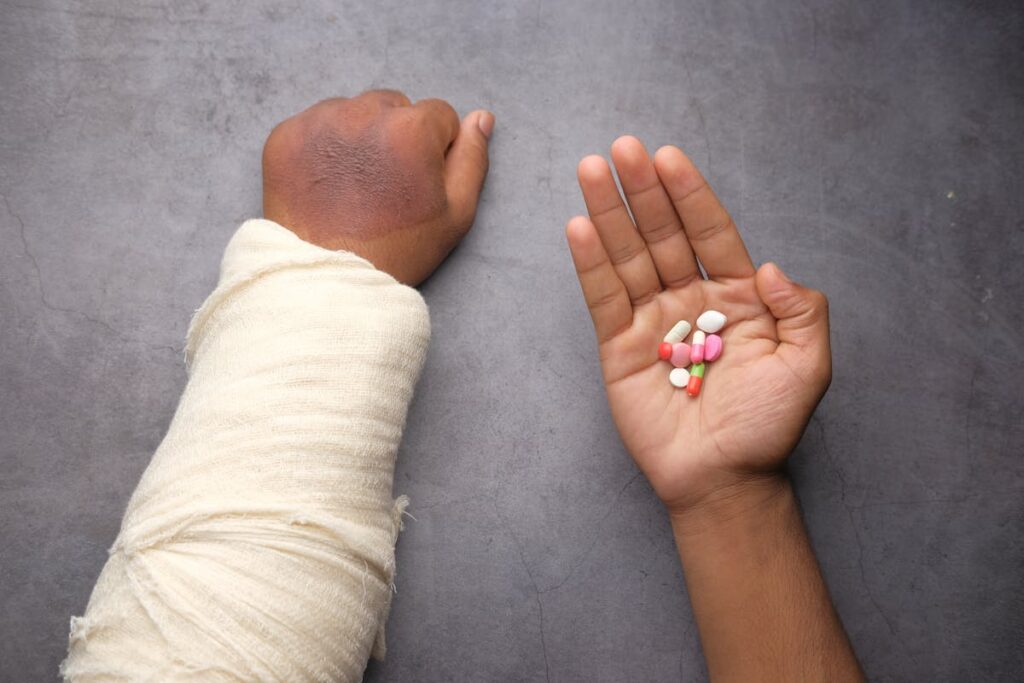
802, 318
466, 166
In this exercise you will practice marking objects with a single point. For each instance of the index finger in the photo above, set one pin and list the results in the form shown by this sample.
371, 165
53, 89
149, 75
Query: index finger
708, 226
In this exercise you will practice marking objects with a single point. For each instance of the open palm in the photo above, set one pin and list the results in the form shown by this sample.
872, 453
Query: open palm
640, 274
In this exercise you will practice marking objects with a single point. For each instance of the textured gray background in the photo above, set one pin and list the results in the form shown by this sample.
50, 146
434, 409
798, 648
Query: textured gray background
873, 148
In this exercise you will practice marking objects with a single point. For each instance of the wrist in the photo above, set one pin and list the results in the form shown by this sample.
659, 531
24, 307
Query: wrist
739, 503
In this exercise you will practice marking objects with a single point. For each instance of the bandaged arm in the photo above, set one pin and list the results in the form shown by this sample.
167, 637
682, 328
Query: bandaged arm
259, 544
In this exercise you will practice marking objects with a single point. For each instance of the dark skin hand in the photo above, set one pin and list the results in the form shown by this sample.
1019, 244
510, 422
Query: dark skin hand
394, 182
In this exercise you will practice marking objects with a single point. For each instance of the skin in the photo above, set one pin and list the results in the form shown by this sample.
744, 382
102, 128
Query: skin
398, 184
394, 182
715, 460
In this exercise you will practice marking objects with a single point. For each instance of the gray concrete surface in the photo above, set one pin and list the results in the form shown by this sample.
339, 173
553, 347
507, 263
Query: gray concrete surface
873, 148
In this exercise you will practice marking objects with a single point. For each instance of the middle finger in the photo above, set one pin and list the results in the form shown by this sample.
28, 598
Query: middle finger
656, 218
626, 249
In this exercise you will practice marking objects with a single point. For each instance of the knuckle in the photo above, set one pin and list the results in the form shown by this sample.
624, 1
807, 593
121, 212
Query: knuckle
662, 232
644, 297
682, 280
386, 95
603, 299
624, 253
712, 230
698, 186
436, 102
438, 109
279, 140
331, 102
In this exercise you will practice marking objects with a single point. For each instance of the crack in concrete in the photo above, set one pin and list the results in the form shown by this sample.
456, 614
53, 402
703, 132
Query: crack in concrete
537, 590
450, 502
597, 533
533, 581
955, 500
857, 537
47, 304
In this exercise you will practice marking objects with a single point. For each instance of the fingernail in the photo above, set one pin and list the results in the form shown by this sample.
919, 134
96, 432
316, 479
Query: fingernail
486, 123
782, 275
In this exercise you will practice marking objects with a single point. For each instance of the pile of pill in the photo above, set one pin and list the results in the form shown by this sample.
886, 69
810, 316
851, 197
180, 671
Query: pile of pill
705, 347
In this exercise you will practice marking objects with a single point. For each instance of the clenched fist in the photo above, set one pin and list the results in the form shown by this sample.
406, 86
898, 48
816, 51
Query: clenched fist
393, 182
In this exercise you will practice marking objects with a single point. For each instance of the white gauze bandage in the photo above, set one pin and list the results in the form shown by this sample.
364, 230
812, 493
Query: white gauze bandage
259, 544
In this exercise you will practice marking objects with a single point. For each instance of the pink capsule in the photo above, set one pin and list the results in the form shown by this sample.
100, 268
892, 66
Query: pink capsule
697, 349
680, 355
712, 348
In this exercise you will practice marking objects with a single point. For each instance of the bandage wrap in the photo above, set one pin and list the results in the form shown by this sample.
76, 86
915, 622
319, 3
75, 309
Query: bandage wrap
259, 544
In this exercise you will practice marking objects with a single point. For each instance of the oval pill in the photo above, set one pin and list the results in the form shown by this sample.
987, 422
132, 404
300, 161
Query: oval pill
711, 321
679, 378
680, 355
697, 348
712, 347
664, 350
678, 332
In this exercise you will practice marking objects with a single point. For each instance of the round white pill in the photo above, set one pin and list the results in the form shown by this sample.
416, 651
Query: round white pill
711, 321
679, 377
678, 332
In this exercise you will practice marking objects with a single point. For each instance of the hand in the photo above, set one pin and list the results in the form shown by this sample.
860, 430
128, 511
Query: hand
639, 278
394, 182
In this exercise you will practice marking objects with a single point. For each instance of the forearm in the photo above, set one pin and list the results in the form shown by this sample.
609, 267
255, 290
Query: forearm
259, 543
761, 604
